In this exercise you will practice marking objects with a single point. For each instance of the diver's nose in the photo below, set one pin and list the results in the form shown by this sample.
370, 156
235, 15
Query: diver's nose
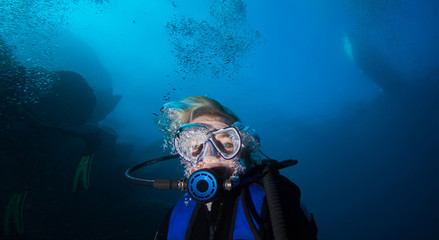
211, 150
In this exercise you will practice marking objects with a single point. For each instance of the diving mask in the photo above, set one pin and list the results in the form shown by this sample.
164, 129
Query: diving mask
195, 141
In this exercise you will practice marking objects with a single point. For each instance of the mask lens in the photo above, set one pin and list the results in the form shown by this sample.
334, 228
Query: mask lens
227, 141
189, 142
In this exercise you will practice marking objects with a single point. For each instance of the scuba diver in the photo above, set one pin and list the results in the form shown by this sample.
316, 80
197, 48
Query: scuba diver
230, 194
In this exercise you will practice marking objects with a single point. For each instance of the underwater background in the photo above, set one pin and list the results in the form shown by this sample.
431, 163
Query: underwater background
349, 88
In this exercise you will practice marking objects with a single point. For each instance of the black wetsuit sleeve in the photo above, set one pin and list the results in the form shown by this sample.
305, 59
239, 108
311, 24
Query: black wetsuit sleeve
162, 233
299, 225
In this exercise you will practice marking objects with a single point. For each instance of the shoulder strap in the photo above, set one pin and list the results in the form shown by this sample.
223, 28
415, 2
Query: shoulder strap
247, 221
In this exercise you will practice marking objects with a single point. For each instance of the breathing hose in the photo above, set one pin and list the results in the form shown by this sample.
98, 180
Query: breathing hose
273, 200
158, 183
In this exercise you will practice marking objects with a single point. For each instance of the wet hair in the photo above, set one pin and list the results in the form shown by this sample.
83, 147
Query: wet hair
204, 106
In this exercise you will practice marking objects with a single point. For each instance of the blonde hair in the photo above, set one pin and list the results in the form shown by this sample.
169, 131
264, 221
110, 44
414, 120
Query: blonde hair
201, 106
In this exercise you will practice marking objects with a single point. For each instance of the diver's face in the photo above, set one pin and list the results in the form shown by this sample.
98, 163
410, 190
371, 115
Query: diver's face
214, 160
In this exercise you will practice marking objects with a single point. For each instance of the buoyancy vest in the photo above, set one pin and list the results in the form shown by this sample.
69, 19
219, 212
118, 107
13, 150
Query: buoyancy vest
184, 208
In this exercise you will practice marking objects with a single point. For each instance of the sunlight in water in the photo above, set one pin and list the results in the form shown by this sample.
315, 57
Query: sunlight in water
347, 47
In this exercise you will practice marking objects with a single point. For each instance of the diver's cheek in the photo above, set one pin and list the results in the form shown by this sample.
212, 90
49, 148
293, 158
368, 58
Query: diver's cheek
214, 165
210, 162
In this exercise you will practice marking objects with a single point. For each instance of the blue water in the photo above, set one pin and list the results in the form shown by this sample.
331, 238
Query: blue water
349, 88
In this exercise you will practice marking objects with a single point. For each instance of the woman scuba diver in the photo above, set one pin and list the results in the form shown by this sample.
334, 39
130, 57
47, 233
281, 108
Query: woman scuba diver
229, 194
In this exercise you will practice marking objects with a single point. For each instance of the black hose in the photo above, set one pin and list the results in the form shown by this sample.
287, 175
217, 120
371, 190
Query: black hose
274, 204
145, 182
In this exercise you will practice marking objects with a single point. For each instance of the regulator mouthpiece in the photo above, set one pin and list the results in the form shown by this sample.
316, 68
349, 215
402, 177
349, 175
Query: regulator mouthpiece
204, 185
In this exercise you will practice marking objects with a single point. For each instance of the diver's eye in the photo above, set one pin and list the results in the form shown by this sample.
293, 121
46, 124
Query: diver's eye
228, 145
196, 146
196, 149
